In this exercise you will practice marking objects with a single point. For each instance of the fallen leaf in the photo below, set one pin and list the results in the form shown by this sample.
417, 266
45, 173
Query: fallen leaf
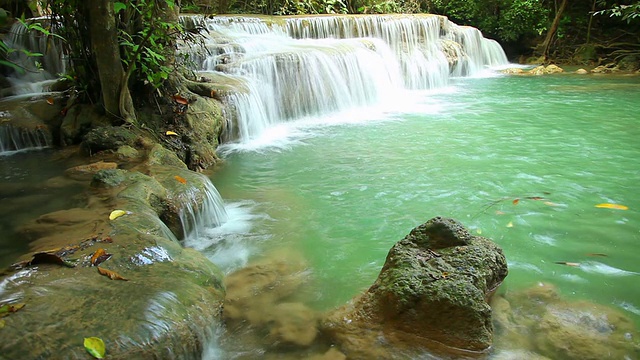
612, 206
535, 198
111, 274
498, 212
99, 257
516, 201
7, 309
180, 100
50, 101
171, 133
549, 203
107, 239
48, 258
180, 179
597, 254
479, 231
95, 347
116, 214
567, 263
510, 224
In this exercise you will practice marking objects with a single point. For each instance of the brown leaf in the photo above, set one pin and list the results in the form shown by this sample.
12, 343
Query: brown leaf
597, 254
180, 100
7, 309
516, 201
111, 274
567, 263
99, 257
107, 239
180, 179
50, 101
47, 258
535, 198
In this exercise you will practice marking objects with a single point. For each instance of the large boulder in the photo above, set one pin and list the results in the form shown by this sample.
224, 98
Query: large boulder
432, 291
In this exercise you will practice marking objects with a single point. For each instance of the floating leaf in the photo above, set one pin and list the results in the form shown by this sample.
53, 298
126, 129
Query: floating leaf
48, 258
479, 231
99, 257
516, 201
549, 203
95, 347
171, 133
535, 198
612, 206
498, 212
111, 274
567, 263
180, 179
180, 100
597, 254
116, 214
50, 101
510, 224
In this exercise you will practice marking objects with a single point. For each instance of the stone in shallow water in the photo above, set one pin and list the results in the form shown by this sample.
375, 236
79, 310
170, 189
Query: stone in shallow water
431, 293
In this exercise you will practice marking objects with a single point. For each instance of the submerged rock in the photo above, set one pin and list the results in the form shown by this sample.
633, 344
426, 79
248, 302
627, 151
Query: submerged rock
539, 321
431, 291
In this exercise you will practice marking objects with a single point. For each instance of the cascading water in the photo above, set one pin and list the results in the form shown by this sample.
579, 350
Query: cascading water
13, 139
212, 213
36, 72
315, 66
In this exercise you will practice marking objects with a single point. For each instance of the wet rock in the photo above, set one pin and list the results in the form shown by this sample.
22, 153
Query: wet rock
158, 155
581, 71
108, 178
606, 69
542, 70
85, 172
77, 122
127, 152
432, 289
538, 320
293, 324
107, 138
513, 71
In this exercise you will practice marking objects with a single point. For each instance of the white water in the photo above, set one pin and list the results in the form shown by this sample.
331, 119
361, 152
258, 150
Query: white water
212, 213
14, 139
307, 67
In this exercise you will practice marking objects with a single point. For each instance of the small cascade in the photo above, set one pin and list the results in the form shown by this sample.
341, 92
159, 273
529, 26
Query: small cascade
298, 67
202, 208
38, 72
14, 138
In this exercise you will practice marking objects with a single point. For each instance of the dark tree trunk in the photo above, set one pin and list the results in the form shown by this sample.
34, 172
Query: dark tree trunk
104, 40
552, 31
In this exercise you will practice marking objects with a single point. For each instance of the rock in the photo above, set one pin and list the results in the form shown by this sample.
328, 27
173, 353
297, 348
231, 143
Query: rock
85, 172
513, 71
292, 324
581, 71
108, 178
432, 289
542, 70
605, 69
158, 155
127, 152
78, 120
539, 321
107, 138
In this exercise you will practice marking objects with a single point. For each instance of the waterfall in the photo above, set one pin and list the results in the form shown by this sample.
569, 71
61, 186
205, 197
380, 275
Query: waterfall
201, 208
15, 138
37, 72
297, 67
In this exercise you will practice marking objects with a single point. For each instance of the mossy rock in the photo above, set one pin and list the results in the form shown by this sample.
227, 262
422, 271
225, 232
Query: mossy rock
107, 138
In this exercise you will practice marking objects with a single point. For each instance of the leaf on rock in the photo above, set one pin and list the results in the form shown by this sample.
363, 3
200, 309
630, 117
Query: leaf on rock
180, 179
95, 347
48, 258
516, 201
116, 214
612, 206
180, 100
111, 274
99, 257
8, 309
50, 101
567, 263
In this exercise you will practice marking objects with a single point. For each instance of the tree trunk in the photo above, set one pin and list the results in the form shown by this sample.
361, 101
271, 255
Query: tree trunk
104, 43
552, 31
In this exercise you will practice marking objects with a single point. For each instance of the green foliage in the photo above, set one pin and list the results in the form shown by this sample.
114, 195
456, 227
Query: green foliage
522, 17
627, 13
7, 51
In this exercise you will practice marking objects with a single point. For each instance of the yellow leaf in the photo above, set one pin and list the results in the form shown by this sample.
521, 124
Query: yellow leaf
111, 274
50, 101
612, 206
99, 256
171, 133
549, 203
479, 231
116, 214
180, 179
510, 224
95, 347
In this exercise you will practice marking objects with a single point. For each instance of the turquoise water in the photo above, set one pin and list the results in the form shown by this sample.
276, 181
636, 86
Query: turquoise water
340, 193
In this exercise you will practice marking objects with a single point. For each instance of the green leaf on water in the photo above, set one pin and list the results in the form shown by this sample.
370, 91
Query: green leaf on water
95, 347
